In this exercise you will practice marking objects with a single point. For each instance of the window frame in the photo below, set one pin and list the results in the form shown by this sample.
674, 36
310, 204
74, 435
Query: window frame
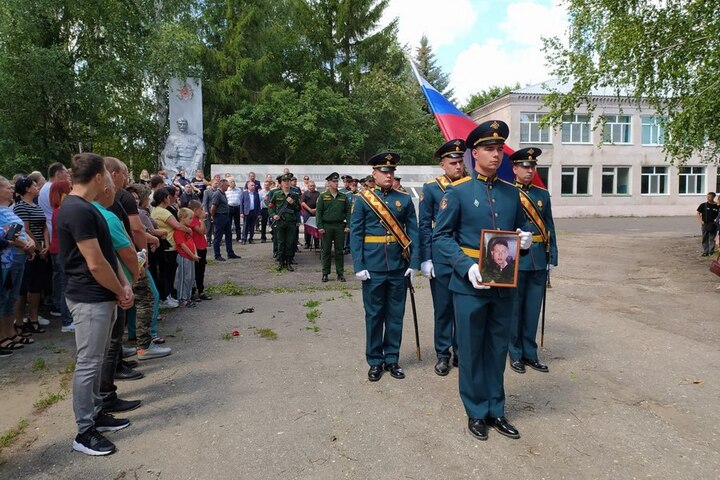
585, 127
652, 175
575, 176
529, 124
612, 121
657, 137
615, 176
701, 190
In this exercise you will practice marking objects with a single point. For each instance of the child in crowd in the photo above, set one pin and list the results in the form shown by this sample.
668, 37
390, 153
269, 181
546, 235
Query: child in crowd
187, 256
198, 227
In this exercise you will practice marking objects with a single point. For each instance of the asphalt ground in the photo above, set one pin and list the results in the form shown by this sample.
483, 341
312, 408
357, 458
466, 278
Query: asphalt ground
631, 341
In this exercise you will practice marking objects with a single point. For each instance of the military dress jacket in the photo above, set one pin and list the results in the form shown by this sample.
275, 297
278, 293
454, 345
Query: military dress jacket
537, 259
432, 194
333, 209
372, 245
470, 205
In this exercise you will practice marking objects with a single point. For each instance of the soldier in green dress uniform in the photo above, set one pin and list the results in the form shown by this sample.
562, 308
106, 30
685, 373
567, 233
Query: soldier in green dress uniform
434, 266
534, 267
283, 208
483, 314
384, 244
333, 222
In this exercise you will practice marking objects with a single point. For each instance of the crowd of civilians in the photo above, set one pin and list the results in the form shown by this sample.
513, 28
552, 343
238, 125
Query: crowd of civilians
103, 255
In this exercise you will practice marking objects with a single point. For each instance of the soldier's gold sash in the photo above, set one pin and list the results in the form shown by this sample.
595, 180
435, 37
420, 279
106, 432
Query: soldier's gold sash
442, 182
388, 220
532, 214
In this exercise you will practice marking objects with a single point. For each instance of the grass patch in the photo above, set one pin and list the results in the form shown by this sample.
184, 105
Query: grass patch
313, 328
311, 304
267, 333
346, 293
227, 336
313, 314
38, 365
47, 399
212, 261
7, 438
226, 288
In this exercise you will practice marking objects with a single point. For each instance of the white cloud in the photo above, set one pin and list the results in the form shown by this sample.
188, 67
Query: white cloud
517, 57
441, 21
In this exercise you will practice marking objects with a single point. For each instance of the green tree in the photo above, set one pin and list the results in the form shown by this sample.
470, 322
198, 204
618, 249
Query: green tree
664, 53
427, 66
482, 97
81, 77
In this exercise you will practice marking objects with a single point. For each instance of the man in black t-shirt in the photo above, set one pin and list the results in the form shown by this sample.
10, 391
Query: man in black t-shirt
706, 214
95, 284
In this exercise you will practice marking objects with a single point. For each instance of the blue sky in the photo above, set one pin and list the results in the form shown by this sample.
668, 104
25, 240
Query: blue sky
480, 43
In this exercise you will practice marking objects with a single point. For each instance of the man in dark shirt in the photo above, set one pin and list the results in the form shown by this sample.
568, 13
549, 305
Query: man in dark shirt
707, 214
95, 284
220, 213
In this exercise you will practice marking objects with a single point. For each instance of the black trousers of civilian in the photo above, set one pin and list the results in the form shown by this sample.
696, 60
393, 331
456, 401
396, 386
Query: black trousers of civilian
200, 271
249, 227
264, 215
166, 280
235, 220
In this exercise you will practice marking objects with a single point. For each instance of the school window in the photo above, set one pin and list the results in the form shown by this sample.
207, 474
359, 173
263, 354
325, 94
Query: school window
616, 181
530, 131
575, 181
576, 129
654, 181
692, 180
544, 174
617, 129
652, 131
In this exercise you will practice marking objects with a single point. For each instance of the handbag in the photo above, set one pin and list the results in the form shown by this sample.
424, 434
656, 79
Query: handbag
715, 267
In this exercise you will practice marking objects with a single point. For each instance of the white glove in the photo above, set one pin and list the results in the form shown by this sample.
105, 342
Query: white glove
475, 277
410, 272
427, 269
550, 267
525, 239
363, 275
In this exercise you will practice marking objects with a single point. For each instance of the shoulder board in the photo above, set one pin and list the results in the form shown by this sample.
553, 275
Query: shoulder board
430, 182
400, 191
506, 182
461, 181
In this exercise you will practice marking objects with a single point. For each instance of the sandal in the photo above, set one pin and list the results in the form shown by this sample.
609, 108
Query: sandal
21, 331
10, 345
33, 327
19, 339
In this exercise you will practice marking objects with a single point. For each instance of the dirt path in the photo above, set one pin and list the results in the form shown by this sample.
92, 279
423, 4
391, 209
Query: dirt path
633, 388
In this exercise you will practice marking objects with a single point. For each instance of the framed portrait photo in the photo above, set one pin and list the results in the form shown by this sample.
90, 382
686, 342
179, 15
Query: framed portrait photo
499, 255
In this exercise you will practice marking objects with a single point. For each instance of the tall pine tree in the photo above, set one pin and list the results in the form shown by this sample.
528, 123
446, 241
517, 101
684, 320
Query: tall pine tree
427, 65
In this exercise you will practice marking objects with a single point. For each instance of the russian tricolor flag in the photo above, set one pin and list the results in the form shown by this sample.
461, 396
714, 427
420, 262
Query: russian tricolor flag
455, 124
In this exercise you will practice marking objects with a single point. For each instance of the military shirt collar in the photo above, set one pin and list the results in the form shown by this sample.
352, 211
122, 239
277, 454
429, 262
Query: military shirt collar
522, 186
483, 178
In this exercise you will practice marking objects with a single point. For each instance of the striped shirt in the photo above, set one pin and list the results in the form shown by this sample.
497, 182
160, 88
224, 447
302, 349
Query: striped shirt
33, 214
233, 196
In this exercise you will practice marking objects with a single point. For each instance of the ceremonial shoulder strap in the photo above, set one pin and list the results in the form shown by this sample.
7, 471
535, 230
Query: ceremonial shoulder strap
532, 213
442, 182
461, 181
388, 220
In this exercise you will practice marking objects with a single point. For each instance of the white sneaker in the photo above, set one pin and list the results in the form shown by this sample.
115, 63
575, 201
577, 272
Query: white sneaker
172, 300
167, 304
68, 328
54, 313
153, 351
44, 322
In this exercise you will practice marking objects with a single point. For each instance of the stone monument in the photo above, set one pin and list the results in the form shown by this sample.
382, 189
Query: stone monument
184, 148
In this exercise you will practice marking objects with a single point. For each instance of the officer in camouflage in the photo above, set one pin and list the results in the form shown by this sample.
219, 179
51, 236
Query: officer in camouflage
283, 208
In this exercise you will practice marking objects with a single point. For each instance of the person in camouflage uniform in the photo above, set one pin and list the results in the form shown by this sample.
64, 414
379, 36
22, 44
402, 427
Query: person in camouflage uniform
283, 208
